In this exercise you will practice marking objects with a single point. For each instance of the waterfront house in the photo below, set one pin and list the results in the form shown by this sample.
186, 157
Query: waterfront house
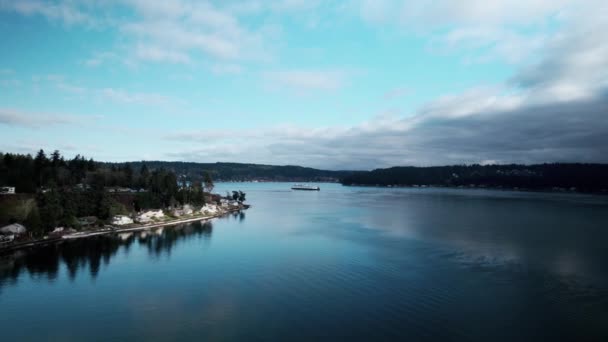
87, 221
6, 239
209, 209
121, 220
82, 186
7, 190
148, 216
13, 229
186, 210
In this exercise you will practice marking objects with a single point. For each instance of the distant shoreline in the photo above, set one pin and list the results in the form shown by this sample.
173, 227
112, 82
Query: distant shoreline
463, 187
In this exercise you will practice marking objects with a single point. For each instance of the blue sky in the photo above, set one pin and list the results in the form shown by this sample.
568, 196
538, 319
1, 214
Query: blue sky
332, 84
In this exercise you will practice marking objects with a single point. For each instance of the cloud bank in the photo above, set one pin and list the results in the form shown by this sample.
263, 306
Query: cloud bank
553, 108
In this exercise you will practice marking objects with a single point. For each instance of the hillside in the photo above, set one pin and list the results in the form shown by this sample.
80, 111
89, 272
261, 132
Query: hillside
580, 177
244, 172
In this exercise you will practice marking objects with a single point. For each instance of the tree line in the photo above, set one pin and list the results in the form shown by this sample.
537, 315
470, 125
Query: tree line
246, 172
581, 177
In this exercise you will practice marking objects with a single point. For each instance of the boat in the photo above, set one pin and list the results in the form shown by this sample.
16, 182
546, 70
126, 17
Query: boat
305, 187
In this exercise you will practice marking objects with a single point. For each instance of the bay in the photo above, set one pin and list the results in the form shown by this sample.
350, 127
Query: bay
343, 263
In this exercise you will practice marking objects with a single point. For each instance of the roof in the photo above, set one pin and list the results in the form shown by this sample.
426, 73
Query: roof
87, 219
14, 228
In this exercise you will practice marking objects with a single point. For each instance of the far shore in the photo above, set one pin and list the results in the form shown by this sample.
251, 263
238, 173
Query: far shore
113, 230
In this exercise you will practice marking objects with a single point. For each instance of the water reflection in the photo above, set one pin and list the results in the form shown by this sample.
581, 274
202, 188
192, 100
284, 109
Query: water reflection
551, 233
88, 254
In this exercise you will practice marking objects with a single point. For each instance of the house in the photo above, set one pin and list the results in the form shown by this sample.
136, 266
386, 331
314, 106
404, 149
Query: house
186, 210
209, 209
87, 221
117, 189
7, 190
150, 215
6, 239
60, 231
82, 186
13, 229
121, 220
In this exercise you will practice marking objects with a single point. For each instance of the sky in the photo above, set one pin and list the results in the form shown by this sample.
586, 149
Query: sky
351, 84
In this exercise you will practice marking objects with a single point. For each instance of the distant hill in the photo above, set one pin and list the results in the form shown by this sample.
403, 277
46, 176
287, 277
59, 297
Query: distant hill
579, 177
244, 172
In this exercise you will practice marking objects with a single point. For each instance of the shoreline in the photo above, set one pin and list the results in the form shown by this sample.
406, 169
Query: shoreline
113, 230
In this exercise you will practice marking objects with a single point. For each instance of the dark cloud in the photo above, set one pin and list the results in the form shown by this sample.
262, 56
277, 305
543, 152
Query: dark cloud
575, 131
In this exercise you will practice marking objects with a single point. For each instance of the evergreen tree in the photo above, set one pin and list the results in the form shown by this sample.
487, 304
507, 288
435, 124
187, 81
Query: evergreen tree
51, 210
56, 158
33, 221
40, 164
208, 182
144, 176
128, 171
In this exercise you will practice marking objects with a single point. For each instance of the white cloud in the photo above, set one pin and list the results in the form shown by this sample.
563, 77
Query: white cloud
396, 93
181, 31
19, 118
63, 11
158, 54
509, 30
226, 69
307, 80
446, 13
99, 58
10, 83
123, 96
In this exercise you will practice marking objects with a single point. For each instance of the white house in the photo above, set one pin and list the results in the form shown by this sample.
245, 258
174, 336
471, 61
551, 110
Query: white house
209, 209
13, 229
121, 220
7, 190
149, 215
186, 210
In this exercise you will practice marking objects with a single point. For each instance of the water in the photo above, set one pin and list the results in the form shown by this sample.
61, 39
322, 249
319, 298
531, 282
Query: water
344, 263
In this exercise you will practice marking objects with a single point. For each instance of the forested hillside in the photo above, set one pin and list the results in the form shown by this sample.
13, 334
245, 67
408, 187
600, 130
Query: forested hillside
245, 172
579, 177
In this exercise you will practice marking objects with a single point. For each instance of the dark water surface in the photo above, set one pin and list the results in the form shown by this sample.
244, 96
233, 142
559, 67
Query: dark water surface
344, 263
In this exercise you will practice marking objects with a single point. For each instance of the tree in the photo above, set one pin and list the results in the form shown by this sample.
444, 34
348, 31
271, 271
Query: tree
144, 176
241, 196
108, 207
51, 210
40, 163
128, 171
33, 222
208, 182
56, 158
91, 165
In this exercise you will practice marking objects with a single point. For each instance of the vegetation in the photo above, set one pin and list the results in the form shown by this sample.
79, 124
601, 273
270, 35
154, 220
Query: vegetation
580, 177
54, 191
238, 196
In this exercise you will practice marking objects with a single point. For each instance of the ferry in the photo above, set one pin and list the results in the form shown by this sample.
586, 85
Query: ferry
305, 187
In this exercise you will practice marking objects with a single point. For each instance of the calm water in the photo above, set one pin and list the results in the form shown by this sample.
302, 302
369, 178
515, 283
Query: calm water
343, 263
